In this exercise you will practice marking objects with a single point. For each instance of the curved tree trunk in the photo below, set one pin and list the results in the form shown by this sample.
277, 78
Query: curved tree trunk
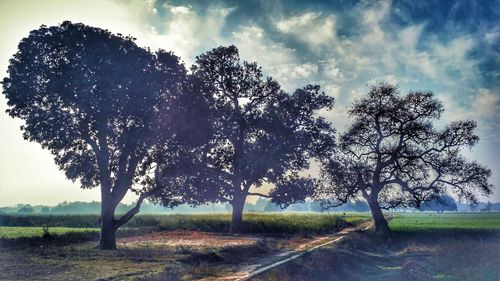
109, 225
237, 215
381, 225
107, 240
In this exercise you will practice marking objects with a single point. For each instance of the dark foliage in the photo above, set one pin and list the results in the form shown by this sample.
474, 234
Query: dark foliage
254, 223
101, 105
261, 135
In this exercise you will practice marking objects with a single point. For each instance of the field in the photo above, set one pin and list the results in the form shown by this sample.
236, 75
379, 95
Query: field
424, 246
409, 222
14, 226
13, 232
152, 246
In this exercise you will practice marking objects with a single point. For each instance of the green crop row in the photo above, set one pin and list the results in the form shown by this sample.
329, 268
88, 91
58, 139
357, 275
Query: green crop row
252, 222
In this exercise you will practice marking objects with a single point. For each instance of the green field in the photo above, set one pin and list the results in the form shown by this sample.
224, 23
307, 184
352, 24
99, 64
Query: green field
10, 232
450, 246
14, 226
445, 221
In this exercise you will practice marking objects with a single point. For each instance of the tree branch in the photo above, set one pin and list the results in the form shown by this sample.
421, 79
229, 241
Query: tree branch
132, 212
258, 194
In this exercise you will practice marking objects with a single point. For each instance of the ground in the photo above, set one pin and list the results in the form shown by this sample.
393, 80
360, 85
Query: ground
146, 253
423, 247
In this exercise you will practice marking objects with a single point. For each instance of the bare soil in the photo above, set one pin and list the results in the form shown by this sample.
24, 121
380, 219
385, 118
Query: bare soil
187, 238
159, 255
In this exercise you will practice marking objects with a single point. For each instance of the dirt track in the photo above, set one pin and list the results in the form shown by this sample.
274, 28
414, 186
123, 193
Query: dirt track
256, 267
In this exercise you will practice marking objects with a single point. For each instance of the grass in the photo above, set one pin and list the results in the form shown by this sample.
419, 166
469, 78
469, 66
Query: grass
409, 222
424, 246
270, 223
29, 237
80, 261
77, 221
263, 223
8, 232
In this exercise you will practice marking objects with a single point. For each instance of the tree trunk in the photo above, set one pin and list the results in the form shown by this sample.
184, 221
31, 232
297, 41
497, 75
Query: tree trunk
107, 240
237, 215
381, 225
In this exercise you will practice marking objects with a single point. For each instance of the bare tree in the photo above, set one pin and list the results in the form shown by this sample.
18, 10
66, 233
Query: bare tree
392, 155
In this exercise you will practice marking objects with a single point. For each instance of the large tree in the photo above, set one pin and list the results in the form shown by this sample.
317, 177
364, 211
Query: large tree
261, 135
101, 105
392, 154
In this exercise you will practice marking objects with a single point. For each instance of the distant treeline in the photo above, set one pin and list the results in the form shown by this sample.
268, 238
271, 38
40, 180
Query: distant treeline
261, 205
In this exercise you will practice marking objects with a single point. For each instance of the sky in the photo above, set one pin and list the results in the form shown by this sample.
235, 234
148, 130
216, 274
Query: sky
449, 47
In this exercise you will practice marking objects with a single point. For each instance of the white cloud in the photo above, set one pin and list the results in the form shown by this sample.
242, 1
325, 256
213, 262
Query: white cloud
452, 57
486, 104
373, 16
483, 107
379, 52
409, 36
304, 70
332, 90
492, 37
276, 59
312, 28
331, 70
184, 31
371, 19
254, 45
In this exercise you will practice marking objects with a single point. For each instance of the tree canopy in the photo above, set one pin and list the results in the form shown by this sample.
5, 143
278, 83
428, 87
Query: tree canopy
392, 154
261, 134
100, 104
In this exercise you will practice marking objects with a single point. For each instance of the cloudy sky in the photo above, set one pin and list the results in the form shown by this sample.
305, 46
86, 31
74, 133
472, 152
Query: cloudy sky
448, 47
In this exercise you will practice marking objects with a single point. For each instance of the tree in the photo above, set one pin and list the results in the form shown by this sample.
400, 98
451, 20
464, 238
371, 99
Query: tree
440, 204
45, 210
272, 207
260, 135
26, 209
359, 206
315, 206
488, 207
100, 104
260, 204
393, 156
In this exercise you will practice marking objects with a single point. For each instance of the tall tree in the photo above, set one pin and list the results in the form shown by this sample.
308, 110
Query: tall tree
261, 135
100, 104
393, 156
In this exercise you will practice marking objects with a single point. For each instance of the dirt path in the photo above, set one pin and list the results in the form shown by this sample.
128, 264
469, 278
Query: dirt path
186, 238
256, 267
